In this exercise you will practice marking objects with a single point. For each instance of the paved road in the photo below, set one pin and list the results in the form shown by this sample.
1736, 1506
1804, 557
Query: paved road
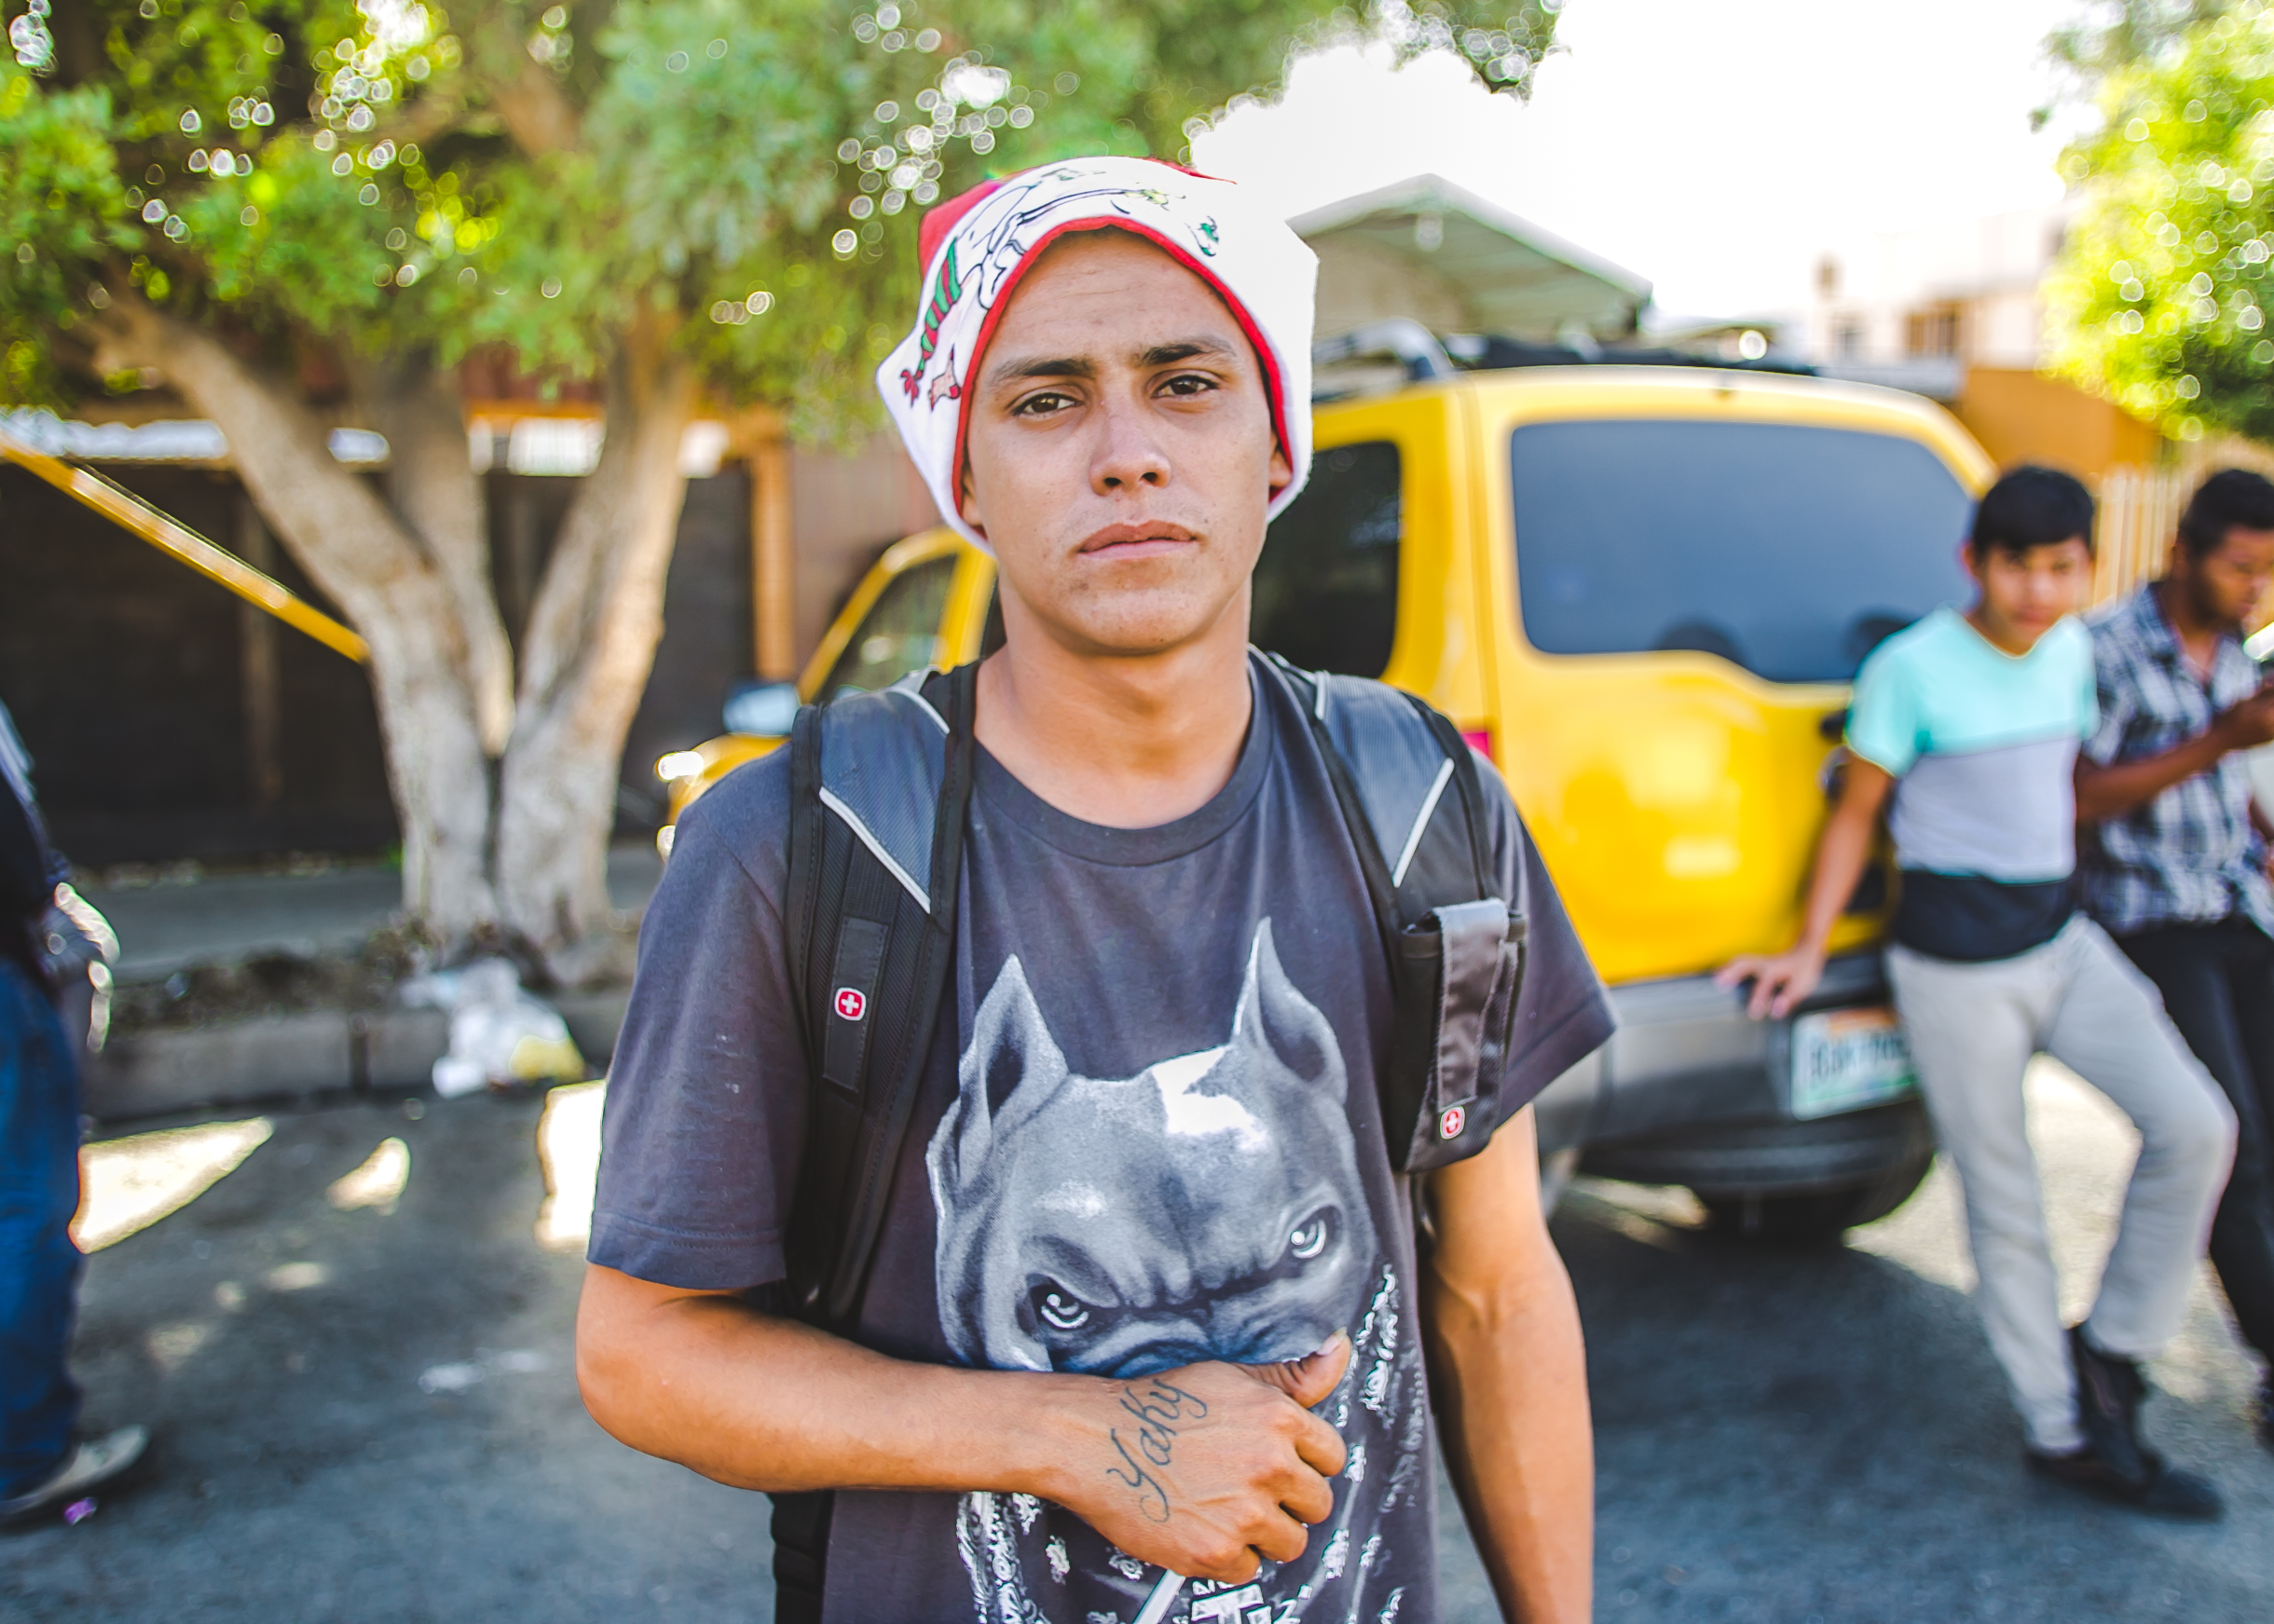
1815, 1437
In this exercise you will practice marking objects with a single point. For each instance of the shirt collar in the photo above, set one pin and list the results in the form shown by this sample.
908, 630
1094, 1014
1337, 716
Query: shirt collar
2148, 625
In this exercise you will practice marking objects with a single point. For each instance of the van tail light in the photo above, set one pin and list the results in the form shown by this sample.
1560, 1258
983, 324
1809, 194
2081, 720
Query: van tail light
1480, 740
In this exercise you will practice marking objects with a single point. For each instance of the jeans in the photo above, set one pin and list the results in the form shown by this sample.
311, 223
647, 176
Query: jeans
2217, 982
39, 1264
1972, 1029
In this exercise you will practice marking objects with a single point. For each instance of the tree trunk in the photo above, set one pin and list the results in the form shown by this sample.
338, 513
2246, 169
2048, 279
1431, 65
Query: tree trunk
367, 559
585, 657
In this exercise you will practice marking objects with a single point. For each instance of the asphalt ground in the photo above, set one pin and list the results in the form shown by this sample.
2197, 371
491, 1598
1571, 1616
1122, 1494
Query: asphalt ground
369, 1415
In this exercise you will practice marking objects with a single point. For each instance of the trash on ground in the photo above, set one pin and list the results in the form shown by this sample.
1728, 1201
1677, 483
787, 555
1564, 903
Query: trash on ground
501, 1036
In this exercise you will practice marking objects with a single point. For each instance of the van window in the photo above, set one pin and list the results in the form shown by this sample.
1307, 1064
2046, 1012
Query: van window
1791, 552
899, 634
1326, 587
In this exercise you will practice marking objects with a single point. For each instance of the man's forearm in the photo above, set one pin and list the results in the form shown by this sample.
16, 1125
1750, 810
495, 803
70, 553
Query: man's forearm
1508, 1375
700, 1379
1510, 1382
1842, 853
2110, 792
1207, 1468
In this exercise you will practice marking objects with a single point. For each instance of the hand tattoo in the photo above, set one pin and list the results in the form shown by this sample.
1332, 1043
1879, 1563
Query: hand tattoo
1157, 1409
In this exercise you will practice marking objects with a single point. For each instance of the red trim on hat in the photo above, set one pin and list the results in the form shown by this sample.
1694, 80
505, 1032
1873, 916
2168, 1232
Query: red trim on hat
1274, 387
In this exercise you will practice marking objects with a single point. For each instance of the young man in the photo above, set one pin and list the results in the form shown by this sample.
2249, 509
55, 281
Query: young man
1146, 1296
2174, 858
1970, 723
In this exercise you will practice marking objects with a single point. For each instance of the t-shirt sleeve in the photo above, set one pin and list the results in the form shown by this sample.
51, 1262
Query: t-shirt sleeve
706, 1093
1883, 725
1562, 1014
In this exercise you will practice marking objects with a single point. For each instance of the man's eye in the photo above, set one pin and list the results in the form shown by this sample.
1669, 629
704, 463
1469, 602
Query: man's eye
1060, 1312
1189, 384
1311, 1239
1041, 406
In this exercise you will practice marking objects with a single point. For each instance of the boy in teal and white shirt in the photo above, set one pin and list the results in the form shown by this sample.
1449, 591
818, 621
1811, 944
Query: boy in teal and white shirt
1966, 728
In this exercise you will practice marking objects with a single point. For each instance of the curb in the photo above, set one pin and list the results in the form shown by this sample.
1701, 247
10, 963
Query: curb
290, 1057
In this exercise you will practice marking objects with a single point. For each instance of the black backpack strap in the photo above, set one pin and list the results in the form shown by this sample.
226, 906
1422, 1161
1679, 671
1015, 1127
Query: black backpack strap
879, 786
1413, 800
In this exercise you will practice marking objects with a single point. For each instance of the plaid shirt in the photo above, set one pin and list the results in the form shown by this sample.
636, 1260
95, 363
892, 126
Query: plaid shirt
2190, 855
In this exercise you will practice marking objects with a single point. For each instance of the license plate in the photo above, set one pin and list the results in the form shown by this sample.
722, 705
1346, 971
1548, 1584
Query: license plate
1845, 1059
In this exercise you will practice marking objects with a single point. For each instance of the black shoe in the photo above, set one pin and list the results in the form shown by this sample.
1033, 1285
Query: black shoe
2108, 1395
2162, 1489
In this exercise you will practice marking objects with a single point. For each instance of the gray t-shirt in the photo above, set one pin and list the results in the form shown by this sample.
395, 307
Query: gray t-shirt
1151, 1138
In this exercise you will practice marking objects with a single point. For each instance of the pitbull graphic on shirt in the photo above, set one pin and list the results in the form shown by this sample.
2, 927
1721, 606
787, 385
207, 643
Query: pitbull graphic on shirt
1207, 1208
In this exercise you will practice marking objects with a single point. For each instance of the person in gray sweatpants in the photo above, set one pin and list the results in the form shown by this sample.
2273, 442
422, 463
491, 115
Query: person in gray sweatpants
1968, 726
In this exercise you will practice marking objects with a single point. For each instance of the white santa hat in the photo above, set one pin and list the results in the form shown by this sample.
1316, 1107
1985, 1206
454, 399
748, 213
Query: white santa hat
977, 246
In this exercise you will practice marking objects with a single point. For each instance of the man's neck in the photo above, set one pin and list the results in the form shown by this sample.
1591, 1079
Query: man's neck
2197, 636
1128, 742
2000, 633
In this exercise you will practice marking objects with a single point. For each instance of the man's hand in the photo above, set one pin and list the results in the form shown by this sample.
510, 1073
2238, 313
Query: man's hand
1208, 1468
2248, 723
1780, 981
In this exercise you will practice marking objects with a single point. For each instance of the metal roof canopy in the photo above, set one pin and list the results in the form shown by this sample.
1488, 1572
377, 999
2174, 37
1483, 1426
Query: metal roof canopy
1506, 274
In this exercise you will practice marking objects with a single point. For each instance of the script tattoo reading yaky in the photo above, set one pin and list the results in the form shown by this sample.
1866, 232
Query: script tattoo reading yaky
1157, 1407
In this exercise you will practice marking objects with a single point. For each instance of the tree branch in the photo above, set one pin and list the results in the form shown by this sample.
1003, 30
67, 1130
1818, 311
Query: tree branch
436, 491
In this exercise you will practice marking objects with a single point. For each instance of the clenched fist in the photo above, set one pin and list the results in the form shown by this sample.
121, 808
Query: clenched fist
1208, 1468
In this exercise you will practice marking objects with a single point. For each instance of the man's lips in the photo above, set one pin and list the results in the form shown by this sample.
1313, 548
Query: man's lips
1136, 540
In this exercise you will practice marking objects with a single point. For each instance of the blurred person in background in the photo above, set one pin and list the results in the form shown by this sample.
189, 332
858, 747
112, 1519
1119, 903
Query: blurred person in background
44, 1467
1968, 725
2174, 854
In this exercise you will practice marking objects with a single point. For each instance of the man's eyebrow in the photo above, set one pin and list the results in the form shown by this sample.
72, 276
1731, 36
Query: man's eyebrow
1017, 369
1184, 349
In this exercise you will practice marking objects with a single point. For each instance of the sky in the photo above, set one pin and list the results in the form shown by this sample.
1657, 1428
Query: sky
1715, 147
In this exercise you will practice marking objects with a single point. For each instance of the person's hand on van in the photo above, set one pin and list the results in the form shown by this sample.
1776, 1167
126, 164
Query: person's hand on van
1780, 981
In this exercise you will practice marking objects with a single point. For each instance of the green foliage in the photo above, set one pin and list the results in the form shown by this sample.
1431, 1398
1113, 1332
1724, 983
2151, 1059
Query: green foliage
387, 177
2161, 296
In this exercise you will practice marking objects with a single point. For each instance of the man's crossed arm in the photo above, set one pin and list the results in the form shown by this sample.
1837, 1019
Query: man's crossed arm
1204, 1469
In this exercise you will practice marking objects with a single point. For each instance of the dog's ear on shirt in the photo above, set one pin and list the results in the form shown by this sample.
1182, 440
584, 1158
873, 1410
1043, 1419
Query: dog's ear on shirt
1277, 1020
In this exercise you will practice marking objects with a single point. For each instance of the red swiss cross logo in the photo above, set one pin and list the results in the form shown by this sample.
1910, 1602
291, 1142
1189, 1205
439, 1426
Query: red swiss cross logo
1451, 1123
850, 1004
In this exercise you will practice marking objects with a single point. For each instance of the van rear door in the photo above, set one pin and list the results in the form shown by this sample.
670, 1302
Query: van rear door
1688, 578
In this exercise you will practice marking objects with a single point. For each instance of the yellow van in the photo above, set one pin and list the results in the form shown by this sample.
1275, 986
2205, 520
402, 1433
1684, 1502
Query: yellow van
1642, 591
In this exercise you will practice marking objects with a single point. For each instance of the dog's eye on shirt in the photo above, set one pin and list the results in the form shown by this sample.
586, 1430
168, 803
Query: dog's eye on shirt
1058, 1310
1311, 1237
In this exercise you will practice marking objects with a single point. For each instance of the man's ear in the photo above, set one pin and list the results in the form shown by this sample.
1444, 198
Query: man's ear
967, 503
1282, 471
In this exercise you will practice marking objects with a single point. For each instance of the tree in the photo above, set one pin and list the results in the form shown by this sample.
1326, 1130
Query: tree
2161, 297
256, 203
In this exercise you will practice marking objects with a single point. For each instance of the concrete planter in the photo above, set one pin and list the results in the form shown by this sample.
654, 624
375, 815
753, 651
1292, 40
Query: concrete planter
287, 1055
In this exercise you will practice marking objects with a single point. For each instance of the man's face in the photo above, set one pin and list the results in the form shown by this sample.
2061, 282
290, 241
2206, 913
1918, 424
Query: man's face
1120, 450
2227, 585
2025, 593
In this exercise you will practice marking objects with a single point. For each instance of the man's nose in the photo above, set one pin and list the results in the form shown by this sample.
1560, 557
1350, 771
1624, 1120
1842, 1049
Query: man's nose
1128, 455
